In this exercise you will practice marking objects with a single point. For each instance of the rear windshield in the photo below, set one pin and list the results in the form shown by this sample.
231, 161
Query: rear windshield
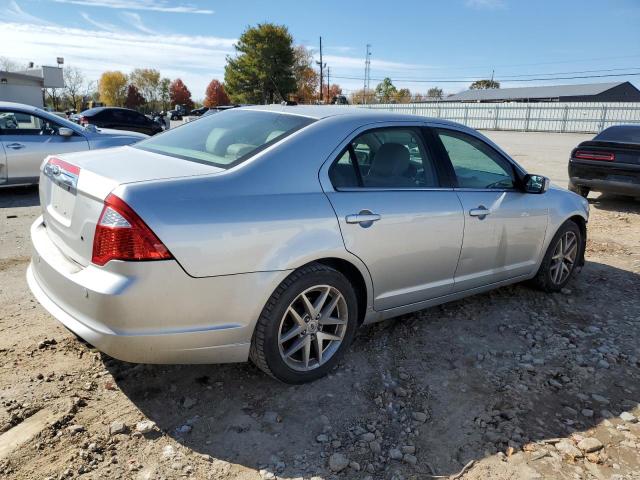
622, 133
225, 139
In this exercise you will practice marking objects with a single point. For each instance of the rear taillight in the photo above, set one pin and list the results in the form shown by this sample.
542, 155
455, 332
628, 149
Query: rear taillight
122, 235
591, 155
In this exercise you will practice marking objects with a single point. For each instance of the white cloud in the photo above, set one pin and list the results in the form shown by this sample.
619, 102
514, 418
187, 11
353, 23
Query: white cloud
136, 22
195, 59
153, 5
13, 13
107, 27
485, 4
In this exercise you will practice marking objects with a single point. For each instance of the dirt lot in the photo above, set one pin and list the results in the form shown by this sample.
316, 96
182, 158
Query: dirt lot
513, 384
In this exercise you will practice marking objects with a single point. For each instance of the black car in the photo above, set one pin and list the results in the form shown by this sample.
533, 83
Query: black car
197, 112
609, 163
120, 119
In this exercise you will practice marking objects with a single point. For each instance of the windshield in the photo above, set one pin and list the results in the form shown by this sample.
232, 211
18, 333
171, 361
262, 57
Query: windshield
227, 138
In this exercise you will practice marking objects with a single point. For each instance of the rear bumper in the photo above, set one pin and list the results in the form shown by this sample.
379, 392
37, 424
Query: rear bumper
150, 312
604, 177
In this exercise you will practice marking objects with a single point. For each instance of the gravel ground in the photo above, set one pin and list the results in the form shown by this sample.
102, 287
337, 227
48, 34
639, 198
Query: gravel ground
513, 384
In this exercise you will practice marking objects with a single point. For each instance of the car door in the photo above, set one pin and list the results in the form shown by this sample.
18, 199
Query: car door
396, 214
28, 139
504, 227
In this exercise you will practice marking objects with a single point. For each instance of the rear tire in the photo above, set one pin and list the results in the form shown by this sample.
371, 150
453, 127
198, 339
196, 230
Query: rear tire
560, 260
582, 191
298, 340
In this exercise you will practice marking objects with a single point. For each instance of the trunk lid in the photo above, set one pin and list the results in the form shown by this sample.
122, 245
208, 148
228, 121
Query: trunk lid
73, 188
628, 153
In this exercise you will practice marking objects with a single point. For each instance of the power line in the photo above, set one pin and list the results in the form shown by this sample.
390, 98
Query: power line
535, 79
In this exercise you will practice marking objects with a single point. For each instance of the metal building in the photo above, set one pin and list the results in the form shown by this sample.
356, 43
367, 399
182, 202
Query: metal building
591, 92
27, 86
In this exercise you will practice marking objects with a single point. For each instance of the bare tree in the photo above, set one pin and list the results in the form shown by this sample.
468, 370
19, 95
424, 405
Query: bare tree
9, 65
74, 84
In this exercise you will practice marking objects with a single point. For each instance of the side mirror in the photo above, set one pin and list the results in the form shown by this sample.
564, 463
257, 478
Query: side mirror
535, 183
65, 132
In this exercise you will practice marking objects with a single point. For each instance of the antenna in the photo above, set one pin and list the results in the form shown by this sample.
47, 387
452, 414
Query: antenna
367, 73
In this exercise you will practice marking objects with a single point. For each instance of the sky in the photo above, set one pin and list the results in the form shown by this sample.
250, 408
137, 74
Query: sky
419, 44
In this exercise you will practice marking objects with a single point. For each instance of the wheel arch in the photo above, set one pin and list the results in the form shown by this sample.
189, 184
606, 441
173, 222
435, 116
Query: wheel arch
360, 280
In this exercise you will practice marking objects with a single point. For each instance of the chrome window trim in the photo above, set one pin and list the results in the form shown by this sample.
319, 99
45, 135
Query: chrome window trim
323, 174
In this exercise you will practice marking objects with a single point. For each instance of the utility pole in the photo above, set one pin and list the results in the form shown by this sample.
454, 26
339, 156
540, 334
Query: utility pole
328, 83
367, 73
492, 73
322, 65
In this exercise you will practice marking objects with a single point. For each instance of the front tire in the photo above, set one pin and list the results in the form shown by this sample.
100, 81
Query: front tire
306, 325
560, 260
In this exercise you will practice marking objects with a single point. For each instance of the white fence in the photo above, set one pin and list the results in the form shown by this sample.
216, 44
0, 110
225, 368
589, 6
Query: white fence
528, 117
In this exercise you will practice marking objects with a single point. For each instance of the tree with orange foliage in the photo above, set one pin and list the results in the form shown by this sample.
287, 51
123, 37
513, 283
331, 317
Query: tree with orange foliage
216, 95
330, 92
180, 94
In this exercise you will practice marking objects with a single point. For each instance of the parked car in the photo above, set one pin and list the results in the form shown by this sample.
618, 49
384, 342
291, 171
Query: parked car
609, 163
221, 108
273, 233
197, 112
120, 119
29, 134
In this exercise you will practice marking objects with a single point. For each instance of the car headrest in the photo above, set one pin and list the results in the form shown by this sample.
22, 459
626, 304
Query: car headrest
391, 159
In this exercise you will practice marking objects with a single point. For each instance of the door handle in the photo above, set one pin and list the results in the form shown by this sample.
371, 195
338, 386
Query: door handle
15, 146
479, 212
365, 218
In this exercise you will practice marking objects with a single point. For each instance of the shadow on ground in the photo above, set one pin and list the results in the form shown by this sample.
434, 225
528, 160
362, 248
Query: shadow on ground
492, 371
615, 203
19, 196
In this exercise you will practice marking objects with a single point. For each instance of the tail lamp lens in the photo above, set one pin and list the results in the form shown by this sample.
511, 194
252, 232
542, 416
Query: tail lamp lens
122, 235
592, 155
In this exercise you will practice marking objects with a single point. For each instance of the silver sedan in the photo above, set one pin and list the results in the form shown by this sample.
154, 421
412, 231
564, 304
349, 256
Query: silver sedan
273, 233
28, 134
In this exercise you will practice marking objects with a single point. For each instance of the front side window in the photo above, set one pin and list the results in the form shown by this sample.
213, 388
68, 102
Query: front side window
227, 138
385, 158
475, 163
20, 123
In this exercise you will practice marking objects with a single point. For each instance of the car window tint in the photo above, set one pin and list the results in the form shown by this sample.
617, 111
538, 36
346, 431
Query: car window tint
476, 164
227, 138
343, 173
19, 123
386, 158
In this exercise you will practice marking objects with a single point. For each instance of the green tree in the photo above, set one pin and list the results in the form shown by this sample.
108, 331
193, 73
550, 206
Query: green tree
435, 93
262, 70
113, 88
385, 90
147, 81
165, 93
484, 84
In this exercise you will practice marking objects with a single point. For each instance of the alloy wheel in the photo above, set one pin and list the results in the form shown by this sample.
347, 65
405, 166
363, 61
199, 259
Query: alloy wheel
313, 327
564, 257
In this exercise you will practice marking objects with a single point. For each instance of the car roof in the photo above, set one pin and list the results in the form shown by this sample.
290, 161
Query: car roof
319, 112
20, 106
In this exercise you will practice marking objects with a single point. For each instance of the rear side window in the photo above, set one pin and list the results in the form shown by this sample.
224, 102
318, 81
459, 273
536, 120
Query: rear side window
225, 139
385, 158
621, 133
